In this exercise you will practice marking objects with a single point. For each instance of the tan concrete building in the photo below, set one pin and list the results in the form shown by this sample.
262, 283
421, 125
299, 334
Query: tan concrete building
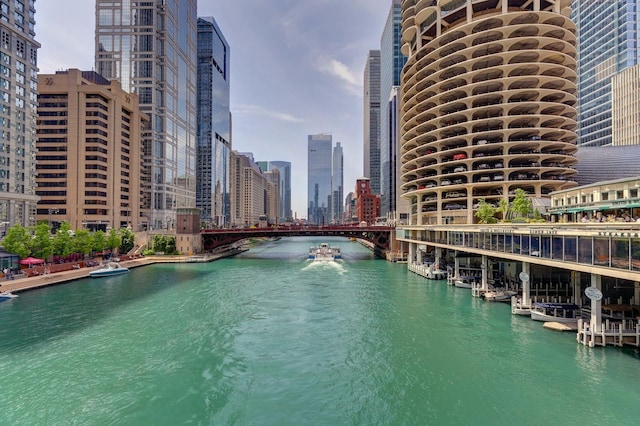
249, 191
273, 195
625, 107
488, 104
88, 152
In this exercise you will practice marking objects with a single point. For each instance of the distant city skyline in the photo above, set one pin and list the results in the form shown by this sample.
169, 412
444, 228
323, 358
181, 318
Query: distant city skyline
290, 87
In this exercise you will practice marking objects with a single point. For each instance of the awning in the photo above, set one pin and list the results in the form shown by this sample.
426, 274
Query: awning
602, 207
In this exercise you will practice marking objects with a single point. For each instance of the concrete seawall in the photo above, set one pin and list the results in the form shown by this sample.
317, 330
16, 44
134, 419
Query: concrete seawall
29, 283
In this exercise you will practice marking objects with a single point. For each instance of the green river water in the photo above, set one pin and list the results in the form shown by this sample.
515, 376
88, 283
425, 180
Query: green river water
271, 338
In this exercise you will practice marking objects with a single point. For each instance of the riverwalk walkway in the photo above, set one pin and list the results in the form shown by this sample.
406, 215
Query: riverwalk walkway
23, 282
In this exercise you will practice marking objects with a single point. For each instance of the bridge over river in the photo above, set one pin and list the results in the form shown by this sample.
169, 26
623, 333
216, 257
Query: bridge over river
379, 236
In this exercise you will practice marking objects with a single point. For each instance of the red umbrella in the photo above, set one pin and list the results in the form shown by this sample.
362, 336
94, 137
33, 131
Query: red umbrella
31, 261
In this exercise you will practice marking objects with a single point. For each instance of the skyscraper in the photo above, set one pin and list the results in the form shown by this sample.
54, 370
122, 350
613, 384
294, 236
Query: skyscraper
214, 124
337, 184
371, 148
151, 48
319, 181
488, 104
607, 38
87, 176
391, 62
284, 167
18, 103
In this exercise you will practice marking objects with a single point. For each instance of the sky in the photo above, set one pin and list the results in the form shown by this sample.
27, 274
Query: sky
296, 69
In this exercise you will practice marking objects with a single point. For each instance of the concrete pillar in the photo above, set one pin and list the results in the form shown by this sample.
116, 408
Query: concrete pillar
636, 293
412, 253
456, 265
484, 267
526, 287
596, 305
577, 292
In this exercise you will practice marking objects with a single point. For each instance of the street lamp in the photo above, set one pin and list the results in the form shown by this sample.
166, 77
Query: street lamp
54, 211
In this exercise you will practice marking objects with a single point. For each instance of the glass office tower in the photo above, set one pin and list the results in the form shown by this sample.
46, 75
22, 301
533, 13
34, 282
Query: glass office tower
337, 184
18, 103
391, 62
371, 148
608, 44
214, 124
151, 48
319, 186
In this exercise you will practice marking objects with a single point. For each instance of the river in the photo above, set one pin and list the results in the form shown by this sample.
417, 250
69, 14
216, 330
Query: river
271, 338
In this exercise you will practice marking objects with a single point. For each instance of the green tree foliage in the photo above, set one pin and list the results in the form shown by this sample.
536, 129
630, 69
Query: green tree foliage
99, 241
114, 240
63, 240
83, 242
128, 240
41, 243
164, 244
18, 241
485, 212
503, 209
522, 205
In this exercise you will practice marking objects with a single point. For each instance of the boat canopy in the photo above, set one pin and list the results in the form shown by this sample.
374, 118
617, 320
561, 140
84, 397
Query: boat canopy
557, 305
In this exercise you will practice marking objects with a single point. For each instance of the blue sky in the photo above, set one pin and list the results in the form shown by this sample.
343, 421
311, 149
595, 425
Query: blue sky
296, 69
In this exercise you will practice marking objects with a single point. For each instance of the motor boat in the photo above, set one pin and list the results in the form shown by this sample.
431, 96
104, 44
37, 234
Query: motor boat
555, 312
6, 295
464, 282
109, 269
324, 252
435, 273
499, 295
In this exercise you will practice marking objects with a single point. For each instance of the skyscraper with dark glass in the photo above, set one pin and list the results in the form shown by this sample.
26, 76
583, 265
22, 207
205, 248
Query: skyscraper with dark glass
319, 181
214, 124
337, 184
391, 62
151, 48
608, 44
371, 142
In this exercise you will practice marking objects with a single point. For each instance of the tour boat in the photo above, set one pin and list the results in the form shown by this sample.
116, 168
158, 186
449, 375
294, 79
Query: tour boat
555, 312
109, 269
324, 252
6, 295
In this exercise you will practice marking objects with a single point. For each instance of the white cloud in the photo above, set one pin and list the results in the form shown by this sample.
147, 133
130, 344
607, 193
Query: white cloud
258, 110
340, 70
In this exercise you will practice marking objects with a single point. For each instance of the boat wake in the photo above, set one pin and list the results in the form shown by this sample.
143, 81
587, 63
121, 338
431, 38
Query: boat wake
317, 266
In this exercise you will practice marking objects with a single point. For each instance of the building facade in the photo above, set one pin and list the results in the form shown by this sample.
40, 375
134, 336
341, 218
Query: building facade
89, 148
625, 107
398, 209
151, 48
214, 124
488, 104
319, 180
337, 184
607, 37
249, 190
18, 104
272, 208
284, 167
392, 61
371, 148
367, 204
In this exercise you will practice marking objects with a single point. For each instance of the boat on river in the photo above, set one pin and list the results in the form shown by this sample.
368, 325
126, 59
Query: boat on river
434, 272
464, 282
324, 252
6, 295
499, 295
555, 312
109, 269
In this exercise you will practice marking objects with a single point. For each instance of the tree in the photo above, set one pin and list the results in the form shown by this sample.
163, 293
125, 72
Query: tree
83, 242
99, 241
63, 244
18, 241
41, 243
522, 205
128, 240
503, 208
485, 212
113, 240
